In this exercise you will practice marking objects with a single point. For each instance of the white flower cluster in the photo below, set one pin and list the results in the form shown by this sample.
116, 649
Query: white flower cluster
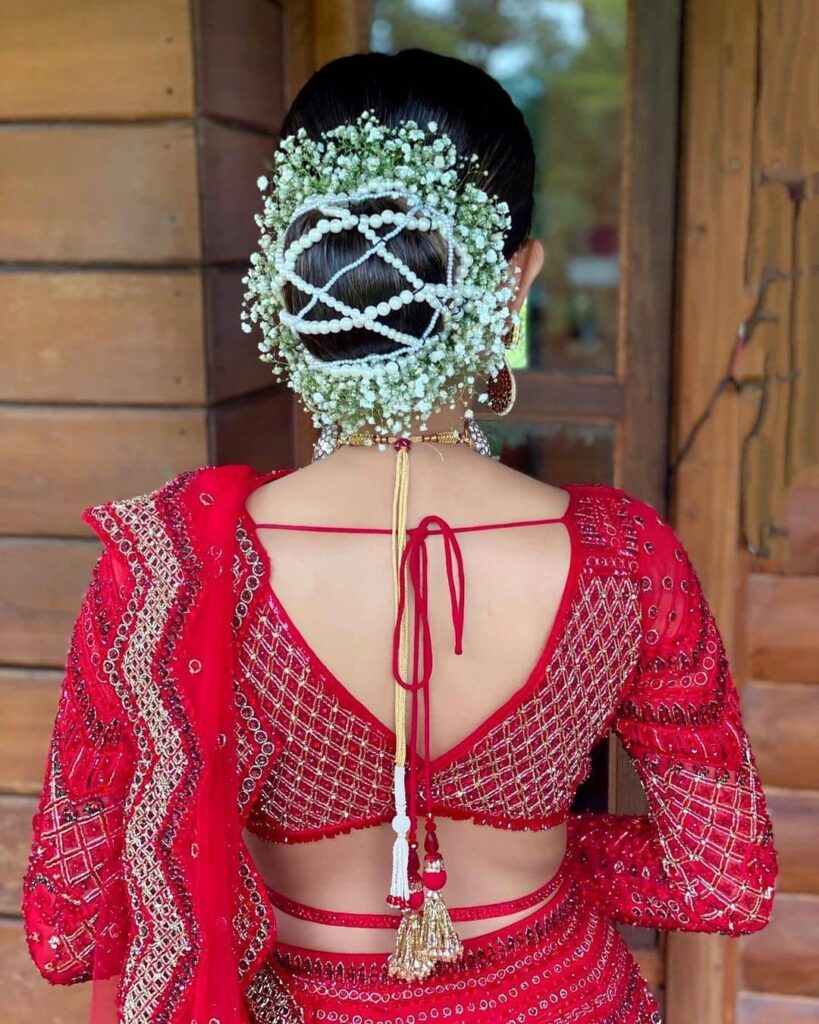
431, 189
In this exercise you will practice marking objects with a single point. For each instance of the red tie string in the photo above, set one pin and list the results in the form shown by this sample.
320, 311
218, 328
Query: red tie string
415, 569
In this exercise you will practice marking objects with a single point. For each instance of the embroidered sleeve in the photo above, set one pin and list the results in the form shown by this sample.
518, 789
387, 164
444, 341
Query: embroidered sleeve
73, 893
703, 858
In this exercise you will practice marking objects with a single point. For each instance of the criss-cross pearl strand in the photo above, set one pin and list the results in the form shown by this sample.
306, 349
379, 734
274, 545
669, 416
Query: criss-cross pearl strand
337, 217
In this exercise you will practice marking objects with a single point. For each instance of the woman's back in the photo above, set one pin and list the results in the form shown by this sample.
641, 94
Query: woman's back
336, 588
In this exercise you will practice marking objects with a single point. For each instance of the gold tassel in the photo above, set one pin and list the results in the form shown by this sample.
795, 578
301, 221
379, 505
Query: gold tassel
438, 937
409, 962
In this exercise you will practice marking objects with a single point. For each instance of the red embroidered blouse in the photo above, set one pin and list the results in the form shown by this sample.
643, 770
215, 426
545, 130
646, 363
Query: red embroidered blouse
633, 647
188, 692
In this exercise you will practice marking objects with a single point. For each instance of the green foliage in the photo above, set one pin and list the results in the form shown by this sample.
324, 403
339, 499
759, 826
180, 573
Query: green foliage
563, 62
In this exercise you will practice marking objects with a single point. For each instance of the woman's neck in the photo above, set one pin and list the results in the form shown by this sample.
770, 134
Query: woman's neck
443, 422
446, 422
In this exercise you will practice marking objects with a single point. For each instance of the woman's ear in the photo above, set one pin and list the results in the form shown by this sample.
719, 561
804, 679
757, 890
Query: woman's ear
529, 259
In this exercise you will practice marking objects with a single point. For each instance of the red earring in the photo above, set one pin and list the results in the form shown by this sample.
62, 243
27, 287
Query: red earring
502, 391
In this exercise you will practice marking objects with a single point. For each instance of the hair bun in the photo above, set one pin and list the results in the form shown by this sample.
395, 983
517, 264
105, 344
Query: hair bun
371, 284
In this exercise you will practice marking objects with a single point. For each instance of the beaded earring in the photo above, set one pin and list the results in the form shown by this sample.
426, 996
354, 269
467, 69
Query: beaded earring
501, 388
502, 391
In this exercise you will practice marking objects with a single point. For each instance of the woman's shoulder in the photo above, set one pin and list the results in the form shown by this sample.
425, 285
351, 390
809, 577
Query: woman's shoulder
615, 517
618, 499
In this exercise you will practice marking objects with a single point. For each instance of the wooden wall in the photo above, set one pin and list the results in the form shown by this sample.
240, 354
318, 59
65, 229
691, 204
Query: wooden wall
131, 138
318, 31
746, 486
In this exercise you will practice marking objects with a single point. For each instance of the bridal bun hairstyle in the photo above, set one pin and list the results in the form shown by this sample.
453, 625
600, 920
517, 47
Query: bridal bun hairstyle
467, 105
384, 282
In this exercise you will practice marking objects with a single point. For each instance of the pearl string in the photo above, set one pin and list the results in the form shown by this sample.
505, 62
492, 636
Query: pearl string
441, 297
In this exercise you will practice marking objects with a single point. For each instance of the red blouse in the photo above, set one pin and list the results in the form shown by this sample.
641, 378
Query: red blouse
633, 647
191, 707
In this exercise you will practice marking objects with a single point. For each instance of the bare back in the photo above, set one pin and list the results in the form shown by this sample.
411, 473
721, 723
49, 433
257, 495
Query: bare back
337, 589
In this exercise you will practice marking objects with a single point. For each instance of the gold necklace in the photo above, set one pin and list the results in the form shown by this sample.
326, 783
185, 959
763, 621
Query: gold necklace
364, 438
331, 438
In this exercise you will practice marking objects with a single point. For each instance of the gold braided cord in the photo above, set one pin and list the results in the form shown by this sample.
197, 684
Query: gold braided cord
399, 542
363, 438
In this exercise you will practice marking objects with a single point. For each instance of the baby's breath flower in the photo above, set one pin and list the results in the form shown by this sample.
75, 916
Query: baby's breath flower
342, 166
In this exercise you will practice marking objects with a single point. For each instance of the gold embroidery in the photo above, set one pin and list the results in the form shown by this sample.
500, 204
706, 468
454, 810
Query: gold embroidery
161, 943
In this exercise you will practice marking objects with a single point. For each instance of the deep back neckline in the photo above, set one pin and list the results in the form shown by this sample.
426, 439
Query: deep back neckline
342, 692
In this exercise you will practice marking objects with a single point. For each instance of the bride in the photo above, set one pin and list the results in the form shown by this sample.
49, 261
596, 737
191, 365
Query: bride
321, 729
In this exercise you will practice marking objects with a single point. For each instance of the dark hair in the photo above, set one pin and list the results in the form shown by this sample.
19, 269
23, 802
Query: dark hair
473, 110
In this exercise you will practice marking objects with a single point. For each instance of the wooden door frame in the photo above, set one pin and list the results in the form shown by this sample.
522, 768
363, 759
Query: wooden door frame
647, 231
645, 328
646, 320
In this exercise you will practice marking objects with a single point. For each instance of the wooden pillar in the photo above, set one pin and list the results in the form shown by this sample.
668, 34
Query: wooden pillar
747, 288
131, 138
716, 167
318, 31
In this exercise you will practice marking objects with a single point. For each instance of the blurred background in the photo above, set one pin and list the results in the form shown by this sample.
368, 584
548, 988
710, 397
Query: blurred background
670, 345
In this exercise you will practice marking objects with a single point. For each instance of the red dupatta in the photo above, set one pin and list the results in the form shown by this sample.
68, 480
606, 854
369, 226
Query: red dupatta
138, 877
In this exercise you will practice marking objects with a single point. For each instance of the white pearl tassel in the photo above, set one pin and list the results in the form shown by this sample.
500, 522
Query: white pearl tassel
399, 886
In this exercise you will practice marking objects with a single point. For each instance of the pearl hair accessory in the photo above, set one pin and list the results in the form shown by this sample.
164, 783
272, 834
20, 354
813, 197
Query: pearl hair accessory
419, 183
434, 295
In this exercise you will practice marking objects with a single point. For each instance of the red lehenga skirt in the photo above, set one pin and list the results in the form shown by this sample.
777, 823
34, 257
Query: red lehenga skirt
563, 963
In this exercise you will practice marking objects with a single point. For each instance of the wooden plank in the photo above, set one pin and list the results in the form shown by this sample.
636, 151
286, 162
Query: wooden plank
33, 998
299, 58
231, 161
546, 397
804, 422
783, 957
785, 239
240, 61
28, 704
801, 519
783, 641
787, 163
647, 220
256, 429
115, 59
795, 818
765, 471
58, 460
652, 967
719, 67
781, 721
233, 356
42, 583
339, 27
15, 826
102, 336
88, 193
720, 54
318, 31
756, 1008
784, 155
